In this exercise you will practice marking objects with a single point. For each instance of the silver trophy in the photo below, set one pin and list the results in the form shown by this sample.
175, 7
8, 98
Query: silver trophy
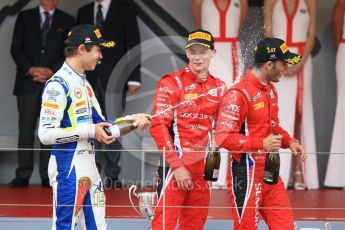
147, 202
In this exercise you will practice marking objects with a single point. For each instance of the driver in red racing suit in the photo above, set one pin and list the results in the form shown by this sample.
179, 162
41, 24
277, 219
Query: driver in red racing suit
248, 125
183, 131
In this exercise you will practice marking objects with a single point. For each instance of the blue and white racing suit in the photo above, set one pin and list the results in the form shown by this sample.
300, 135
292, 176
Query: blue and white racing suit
67, 121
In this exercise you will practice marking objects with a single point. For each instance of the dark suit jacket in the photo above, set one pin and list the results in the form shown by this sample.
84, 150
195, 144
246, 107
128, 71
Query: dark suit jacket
121, 26
26, 46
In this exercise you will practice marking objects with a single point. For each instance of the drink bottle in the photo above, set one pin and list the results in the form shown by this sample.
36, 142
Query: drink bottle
121, 127
272, 165
212, 164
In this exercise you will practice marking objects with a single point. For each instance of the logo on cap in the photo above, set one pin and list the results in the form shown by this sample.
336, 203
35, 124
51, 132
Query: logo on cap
284, 48
98, 33
199, 35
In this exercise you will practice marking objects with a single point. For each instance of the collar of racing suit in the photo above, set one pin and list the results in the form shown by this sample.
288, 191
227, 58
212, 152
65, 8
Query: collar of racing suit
251, 77
194, 77
82, 76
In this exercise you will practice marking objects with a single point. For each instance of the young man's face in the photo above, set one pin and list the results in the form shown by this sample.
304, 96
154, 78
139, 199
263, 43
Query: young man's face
199, 58
91, 58
276, 71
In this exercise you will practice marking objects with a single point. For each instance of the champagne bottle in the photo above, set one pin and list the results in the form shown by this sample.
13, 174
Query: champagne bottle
212, 164
121, 127
272, 166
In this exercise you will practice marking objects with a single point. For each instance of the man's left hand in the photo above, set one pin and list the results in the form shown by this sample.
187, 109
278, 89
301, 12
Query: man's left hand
298, 149
133, 89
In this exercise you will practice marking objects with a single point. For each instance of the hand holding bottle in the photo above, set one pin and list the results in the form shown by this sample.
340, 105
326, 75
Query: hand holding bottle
272, 142
272, 162
101, 135
125, 125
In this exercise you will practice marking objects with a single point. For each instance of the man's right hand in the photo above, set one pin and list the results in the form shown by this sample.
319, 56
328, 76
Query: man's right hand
272, 142
143, 120
183, 178
100, 134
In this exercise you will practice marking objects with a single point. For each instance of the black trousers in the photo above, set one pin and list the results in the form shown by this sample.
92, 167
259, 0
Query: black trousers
29, 108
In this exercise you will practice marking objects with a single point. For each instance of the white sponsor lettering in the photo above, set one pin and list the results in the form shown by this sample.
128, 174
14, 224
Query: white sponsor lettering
161, 99
197, 127
162, 95
163, 105
189, 104
197, 115
213, 92
257, 201
190, 87
272, 94
230, 124
229, 116
166, 90
170, 146
257, 96
163, 112
234, 108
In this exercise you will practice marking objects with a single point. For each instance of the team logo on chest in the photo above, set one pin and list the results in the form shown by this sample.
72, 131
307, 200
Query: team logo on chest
190, 87
257, 96
259, 105
78, 93
89, 91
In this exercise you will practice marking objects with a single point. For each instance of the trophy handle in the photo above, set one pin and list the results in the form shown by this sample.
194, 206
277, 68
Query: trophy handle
134, 188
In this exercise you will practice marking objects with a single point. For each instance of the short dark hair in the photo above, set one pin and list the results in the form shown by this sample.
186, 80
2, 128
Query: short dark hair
258, 65
71, 51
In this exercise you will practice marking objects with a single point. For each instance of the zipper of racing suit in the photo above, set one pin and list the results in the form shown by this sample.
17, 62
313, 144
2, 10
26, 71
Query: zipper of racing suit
269, 109
91, 141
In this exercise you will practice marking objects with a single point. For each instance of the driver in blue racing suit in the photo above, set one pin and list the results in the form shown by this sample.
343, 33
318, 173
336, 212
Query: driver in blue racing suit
70, 119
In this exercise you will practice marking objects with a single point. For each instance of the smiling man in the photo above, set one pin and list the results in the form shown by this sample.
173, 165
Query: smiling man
71, 120
183, 132
248, 126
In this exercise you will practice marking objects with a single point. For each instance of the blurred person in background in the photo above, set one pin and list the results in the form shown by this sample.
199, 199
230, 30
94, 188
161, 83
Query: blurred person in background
37, 49
335, 169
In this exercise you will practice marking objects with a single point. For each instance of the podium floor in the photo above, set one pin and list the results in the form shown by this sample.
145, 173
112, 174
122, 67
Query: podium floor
32, 205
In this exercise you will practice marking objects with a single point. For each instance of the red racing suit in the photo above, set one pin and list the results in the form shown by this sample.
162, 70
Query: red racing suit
183, 131
249, 113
